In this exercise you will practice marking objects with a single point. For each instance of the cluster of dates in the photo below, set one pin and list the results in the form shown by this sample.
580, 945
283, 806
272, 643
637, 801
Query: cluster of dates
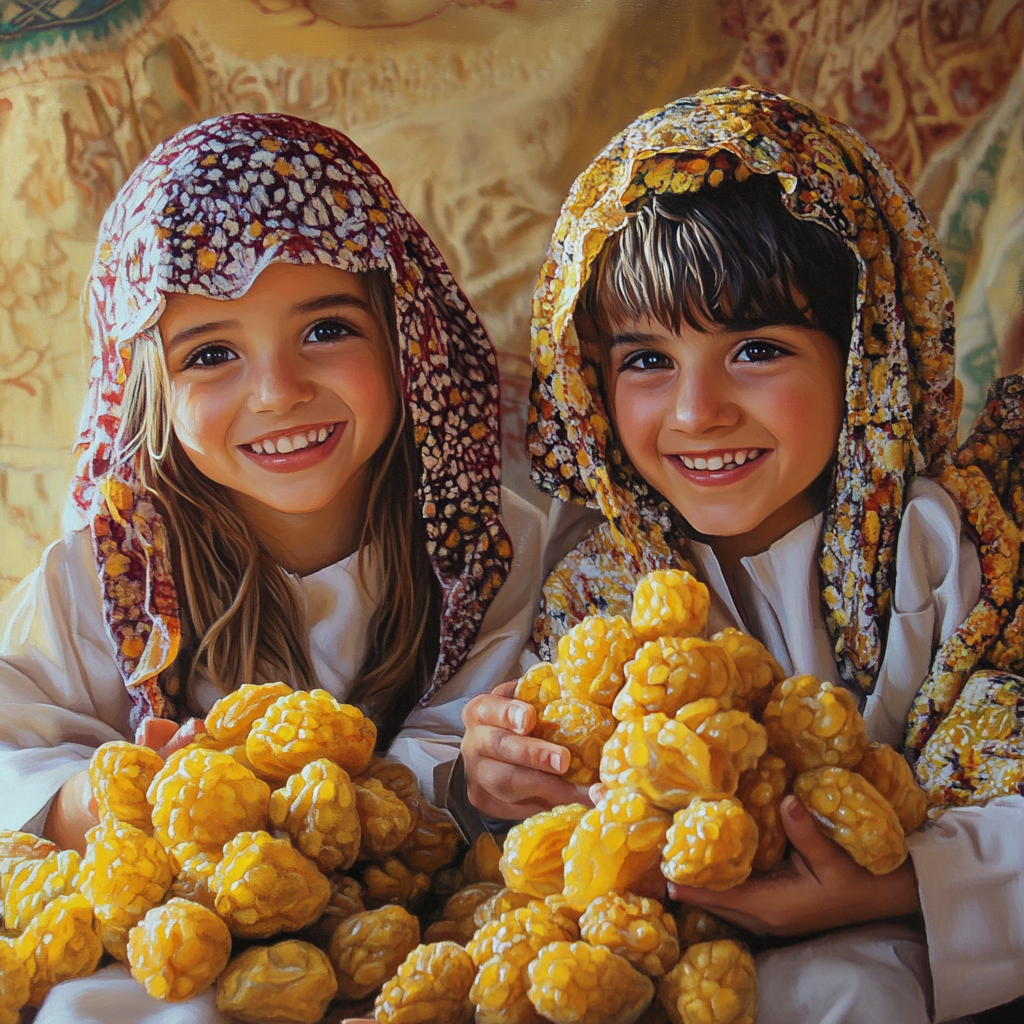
277, 824
696, 742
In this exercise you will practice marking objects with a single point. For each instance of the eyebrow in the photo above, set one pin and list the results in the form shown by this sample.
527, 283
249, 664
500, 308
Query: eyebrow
631, 338
321, 302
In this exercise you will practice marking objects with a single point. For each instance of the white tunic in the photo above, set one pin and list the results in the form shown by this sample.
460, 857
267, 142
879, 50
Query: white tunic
61, 694
970, 862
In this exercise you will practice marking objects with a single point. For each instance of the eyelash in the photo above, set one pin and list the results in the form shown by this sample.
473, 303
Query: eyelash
194, 357
633, 360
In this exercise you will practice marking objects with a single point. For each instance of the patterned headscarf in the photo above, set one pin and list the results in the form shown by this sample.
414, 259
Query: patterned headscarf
204, 214
900, 388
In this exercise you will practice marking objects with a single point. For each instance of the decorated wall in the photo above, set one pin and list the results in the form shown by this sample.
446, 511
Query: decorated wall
481, 112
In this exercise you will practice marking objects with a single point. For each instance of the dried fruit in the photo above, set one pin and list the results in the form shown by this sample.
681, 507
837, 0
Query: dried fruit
502, 901
500, 989
206, 796
460, 909
346, 900
696, 925
669, 602
711, 845
572, 982
431, 984
305, 726
761, 790
14, 986
124, 873
714, 983
18, 846
396, 776
890, 774
317, 809
481, 863
385, 820
613, 847
633, 927
291, 982
367, 949
581, 727
59, 943
813, 724
539, 686
669, 672
433, 841
35, 883
193, 867
264, 885
177, 950
734, 739
532, 861
231, 718
850, 811
391, 881
591, 657
120, 774
536, 925
759, 672
659, 757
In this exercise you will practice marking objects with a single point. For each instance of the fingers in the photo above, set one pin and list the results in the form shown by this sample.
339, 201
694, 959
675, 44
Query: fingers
597, 793
499, 712
803, 832
182, 737
155, 732
506, 689
504, 790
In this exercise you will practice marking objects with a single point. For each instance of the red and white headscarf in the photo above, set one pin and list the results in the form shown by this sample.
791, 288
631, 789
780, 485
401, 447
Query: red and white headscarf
204, 214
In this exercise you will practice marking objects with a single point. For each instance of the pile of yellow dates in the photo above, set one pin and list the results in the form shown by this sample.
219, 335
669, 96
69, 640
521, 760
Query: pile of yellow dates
695, 741
274, 858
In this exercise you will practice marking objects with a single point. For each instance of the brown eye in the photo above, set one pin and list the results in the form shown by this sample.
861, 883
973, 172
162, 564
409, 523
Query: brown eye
645, 359
759, 352
329, 330
210, 355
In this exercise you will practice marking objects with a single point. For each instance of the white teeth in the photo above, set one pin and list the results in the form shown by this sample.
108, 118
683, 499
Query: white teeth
700, 463
741, 457
299, 441
715, 463
688, 463
311, 437
257, 447
268, 447
284, 445
322, 435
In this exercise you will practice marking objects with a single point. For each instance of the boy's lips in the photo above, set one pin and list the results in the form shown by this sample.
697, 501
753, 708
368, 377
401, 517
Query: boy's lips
719, 467
288, 451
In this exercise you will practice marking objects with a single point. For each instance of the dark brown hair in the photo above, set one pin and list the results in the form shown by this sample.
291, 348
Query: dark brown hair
732, 256
240, 617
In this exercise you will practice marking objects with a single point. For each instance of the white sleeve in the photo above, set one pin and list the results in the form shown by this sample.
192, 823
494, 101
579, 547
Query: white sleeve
970, 878
432, 733
61, 693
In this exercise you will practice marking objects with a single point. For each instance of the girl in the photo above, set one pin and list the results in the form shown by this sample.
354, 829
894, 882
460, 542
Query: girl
697, 381
289, 469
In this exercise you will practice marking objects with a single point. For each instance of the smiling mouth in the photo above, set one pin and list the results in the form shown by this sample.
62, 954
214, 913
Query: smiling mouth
284, 444
721, 461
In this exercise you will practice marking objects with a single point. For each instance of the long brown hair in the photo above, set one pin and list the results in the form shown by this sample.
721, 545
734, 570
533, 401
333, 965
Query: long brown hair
241, 620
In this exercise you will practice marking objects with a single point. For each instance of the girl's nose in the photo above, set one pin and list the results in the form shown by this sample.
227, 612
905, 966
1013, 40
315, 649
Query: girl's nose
279, 384
703, 402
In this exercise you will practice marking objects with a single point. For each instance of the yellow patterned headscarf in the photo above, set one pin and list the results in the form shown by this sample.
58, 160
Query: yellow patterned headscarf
900, 388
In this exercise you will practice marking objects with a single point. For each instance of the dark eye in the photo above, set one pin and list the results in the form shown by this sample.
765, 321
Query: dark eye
210, 355
759, 352
328, 330
645, 359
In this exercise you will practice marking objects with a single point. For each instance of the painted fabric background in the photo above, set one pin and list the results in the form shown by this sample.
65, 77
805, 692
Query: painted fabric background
481, 112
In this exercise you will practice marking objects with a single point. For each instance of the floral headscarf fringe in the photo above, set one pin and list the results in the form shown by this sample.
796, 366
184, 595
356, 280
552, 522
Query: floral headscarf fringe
205, 214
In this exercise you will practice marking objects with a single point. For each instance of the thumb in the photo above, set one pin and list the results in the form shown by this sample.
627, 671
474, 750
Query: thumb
803, 832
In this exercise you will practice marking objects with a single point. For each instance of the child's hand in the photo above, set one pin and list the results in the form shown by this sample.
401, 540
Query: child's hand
72, 813
818, 887
511, 774
165, 736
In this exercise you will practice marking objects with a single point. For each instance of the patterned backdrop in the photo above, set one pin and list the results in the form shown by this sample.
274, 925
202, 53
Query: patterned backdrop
481, 112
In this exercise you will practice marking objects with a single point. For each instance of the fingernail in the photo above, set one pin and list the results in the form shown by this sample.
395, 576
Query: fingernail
556, 762
519, 719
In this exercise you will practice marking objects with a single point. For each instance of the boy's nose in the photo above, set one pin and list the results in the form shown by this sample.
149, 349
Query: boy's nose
278, 385
703, 403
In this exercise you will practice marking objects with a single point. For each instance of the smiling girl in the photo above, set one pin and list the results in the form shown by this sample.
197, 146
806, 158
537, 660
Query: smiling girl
289, 469
743, 358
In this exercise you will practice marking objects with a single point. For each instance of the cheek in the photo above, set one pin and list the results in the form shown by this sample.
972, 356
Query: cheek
197, 418
366, 387
638, 414
808, 416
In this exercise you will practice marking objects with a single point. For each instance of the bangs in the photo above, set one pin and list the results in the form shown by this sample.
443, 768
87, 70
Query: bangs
731, 257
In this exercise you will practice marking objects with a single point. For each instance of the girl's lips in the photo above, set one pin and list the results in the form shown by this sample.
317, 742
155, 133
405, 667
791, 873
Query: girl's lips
300, 458
730, 473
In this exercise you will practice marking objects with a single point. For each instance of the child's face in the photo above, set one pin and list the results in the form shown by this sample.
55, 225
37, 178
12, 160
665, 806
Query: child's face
732, 427
282, 395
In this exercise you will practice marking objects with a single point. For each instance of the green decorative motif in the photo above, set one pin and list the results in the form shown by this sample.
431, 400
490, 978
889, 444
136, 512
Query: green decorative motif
32, 25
